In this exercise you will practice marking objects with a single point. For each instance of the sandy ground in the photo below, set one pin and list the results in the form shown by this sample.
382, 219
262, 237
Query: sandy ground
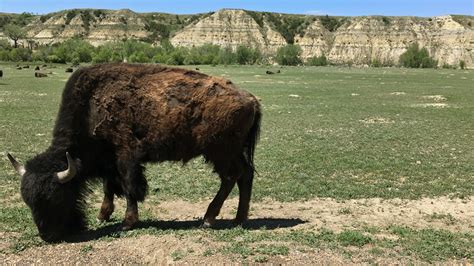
455, 215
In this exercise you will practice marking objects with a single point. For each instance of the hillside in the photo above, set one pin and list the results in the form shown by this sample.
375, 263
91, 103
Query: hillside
347, 40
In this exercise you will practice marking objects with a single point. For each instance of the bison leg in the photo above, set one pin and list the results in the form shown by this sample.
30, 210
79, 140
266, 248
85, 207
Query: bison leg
107, 207
134, 186
131, 214
244, 183
227, 184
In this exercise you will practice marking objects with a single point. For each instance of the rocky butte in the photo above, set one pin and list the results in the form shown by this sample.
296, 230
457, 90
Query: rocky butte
343, 40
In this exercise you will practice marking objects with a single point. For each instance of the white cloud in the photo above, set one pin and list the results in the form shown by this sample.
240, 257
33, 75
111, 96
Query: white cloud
315, 12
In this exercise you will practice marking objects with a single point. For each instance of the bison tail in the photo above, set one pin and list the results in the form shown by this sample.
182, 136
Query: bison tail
252, 138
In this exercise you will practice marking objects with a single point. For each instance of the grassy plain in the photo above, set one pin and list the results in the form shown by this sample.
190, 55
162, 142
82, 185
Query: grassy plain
327, 132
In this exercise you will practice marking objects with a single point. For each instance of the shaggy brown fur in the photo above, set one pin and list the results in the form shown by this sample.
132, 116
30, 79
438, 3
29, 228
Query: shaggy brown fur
115, 117
174, 114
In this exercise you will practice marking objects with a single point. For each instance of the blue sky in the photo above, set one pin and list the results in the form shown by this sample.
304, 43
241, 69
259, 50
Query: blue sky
332, 7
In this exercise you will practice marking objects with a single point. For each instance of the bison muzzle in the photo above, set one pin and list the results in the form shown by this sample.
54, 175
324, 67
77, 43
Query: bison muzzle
114, 118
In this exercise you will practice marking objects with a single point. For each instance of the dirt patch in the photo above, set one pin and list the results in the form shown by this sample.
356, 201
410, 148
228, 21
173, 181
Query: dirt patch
454, 215
436, 105
376, 120
339, 215
398, 93
153, 250
436, 98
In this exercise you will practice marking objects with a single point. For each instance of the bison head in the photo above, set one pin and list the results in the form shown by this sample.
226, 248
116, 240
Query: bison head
52, 194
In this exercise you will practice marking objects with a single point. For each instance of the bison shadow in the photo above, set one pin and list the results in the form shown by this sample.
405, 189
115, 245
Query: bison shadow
113, 228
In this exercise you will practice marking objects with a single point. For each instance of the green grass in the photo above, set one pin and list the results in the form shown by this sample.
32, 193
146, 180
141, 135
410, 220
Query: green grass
332, 141
346, 136
434, 245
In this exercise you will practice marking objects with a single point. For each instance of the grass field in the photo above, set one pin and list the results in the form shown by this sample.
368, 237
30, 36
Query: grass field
344, 138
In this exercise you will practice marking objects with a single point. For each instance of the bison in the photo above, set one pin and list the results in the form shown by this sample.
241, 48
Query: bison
114, 118
40, 75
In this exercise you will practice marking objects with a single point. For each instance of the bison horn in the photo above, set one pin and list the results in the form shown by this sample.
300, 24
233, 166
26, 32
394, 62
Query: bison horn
20, 169
68, 174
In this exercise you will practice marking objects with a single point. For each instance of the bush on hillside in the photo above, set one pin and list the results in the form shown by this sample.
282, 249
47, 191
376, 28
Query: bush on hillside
20, 54
289, 55
207, 54
74, 50
414, 57
247, 56
317, 61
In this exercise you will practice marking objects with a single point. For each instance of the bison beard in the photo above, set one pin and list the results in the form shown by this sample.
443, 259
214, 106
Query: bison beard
115, 117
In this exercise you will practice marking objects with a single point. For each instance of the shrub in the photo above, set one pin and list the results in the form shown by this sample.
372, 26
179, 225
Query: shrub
74, 49
415, 57
20, 54
42, 53
330, 23
206, 54
289, 55
138, 57
317, 61
462, 64
447, 66
247, 56
5, 45
69, 16
227, 56
109, 52
428, 62
54, 59
376, 63
178, 56
4, 55
287, 26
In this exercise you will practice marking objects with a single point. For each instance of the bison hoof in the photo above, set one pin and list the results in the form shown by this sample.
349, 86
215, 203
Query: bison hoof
126, 227
208, 223
101, 218
239, 221
129, 221
105, 212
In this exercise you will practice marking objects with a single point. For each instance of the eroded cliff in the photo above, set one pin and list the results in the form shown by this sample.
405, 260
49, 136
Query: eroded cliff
344, 40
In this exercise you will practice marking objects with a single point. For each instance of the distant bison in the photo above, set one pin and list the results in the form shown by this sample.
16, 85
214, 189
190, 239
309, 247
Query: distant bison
40, 75
69, 70
37, 68
1, 73
268, 72
116, 117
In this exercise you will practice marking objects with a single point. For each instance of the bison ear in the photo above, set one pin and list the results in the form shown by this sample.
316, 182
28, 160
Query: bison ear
71, 171
20, 169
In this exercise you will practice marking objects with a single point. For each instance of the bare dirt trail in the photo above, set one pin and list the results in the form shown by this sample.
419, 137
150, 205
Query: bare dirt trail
455, 215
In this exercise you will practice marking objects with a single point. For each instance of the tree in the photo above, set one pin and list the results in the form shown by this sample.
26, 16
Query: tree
15, 33
289, 55
74, 50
